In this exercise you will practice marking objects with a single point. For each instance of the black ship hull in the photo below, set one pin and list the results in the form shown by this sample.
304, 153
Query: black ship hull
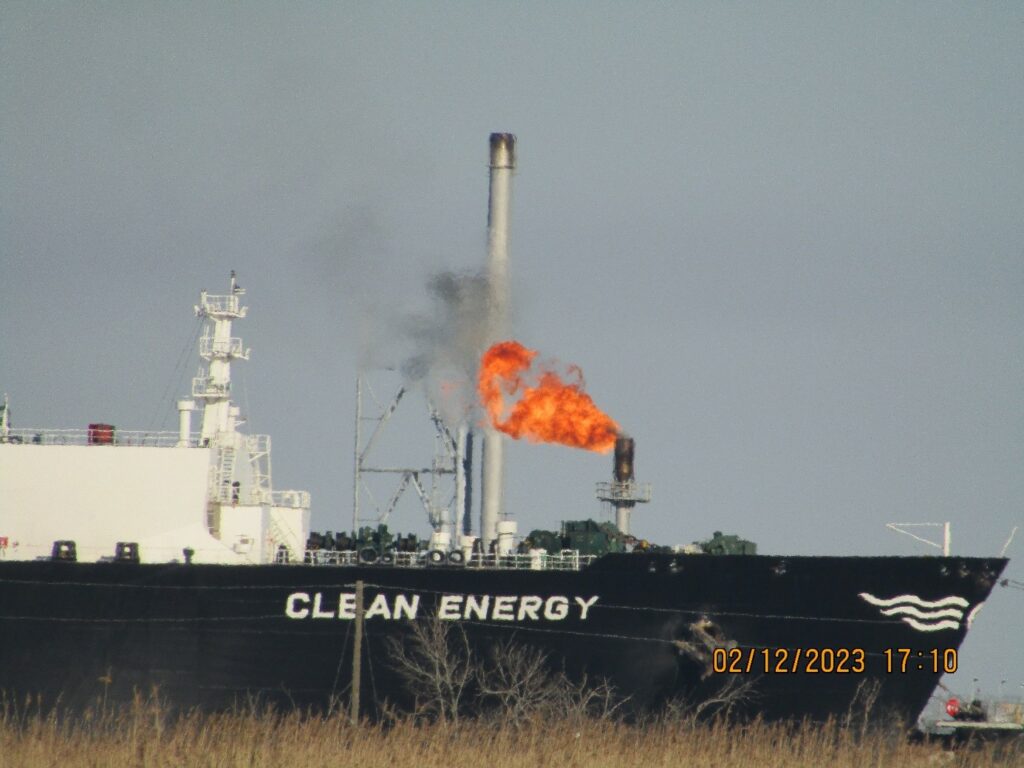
808, 634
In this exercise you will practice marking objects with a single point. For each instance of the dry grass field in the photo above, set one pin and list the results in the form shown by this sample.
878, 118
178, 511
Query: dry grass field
145, 736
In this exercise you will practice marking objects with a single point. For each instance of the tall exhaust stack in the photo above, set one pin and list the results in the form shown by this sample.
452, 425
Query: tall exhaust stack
503, 162
622, 471
624, 492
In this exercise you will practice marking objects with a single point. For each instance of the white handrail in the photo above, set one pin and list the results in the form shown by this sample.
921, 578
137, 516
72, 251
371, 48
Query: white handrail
569, 560
95, 438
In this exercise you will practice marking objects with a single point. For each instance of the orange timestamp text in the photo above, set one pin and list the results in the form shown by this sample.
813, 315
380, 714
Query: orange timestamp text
839, 661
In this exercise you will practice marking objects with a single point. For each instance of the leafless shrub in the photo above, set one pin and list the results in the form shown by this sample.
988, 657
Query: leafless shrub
736, 691
516, 684
718, 704
512, 683
586, 699
515, 681
437, 666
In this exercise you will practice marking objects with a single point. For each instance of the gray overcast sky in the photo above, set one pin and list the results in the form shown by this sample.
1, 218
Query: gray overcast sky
784, 242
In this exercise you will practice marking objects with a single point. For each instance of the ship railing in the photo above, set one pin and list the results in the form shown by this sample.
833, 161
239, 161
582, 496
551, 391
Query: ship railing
213, 347
223, 305
624, 491
567, 560
258, 444
331, 557
290, 499
95, 437
205, 386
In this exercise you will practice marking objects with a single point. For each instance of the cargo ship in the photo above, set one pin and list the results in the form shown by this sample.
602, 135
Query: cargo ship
133, 562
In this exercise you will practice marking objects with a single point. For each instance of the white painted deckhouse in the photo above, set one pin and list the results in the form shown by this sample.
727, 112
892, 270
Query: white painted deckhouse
206, 497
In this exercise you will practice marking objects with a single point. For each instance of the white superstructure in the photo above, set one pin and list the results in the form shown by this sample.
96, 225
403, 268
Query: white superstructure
205, 497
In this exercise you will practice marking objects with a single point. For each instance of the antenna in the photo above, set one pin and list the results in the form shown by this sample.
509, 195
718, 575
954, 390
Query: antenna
944, 546
1006, 546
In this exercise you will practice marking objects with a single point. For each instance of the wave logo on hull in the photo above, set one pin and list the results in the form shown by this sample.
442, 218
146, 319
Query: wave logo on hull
922, 615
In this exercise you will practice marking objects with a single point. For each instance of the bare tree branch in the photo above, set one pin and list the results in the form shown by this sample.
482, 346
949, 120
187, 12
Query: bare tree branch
437, 666
514, 683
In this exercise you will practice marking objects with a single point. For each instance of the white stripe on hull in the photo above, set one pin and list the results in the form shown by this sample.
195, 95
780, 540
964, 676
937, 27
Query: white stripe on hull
909, 610
914, 600
923, 615
931, 627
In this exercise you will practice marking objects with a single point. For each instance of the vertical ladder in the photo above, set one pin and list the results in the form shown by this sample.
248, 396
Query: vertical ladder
227, 472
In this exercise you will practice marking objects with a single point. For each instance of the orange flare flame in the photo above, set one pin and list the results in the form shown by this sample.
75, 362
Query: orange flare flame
549, 411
